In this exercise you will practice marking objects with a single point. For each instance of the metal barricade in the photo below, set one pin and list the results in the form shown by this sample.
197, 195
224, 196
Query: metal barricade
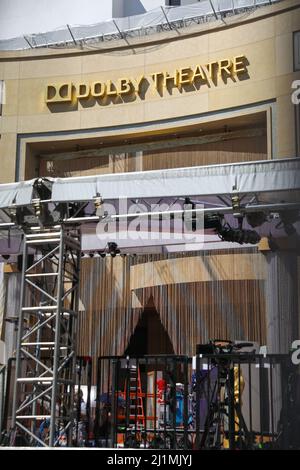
143, 402
244, 401
211, 401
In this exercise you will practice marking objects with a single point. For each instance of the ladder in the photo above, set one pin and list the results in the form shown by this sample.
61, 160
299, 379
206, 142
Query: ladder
136, 415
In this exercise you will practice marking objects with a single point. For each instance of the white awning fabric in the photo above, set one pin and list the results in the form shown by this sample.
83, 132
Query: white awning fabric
257, 177
264, 182
16, 193
254, 178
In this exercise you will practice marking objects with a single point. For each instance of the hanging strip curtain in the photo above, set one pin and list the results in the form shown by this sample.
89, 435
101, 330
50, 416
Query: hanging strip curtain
282, 300
195, 313
106, 320
191, 313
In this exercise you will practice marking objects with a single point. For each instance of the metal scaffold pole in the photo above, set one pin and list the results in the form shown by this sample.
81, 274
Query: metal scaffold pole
43, 396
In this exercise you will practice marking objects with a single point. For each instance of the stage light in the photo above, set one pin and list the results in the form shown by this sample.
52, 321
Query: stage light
113, 249
238, 235
43, 188
194, 221
91, 254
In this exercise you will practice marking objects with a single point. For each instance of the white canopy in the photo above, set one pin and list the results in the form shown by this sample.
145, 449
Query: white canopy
257, 177
272, 183
270, 176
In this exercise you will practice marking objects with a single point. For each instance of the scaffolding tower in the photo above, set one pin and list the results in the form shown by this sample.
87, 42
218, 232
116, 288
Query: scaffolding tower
46, 344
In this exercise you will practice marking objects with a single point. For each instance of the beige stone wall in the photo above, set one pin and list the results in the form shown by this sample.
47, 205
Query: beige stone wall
265, 37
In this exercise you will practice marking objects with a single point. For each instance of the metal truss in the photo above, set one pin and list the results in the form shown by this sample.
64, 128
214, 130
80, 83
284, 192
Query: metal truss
46, 347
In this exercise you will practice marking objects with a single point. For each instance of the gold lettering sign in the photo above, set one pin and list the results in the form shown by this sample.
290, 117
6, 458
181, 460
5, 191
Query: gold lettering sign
215, 72
57, 93
83, 90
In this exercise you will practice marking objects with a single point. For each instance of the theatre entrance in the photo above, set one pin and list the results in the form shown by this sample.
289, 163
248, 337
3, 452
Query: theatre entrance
150, 336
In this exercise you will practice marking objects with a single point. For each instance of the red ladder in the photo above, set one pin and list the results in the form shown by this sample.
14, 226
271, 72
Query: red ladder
136, 407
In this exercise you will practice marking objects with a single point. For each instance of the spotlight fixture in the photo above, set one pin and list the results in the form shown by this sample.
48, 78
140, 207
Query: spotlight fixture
228, 233
42, 188
113, 249
238, 235
197, 221
91, 254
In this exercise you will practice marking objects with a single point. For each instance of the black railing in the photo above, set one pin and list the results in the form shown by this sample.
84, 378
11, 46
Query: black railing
243, 401
143, 402
211, 401
217, 401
